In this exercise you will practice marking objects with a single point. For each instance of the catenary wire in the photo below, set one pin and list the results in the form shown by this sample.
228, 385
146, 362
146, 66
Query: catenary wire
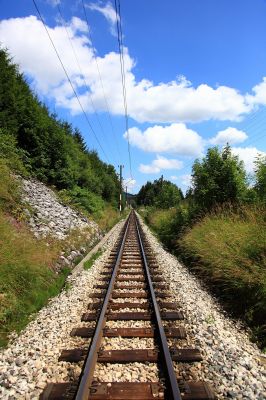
101, 81
69, 80
82, 74
122, 67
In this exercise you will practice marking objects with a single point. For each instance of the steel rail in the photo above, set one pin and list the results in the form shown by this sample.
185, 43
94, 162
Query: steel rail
91, 360
172, 387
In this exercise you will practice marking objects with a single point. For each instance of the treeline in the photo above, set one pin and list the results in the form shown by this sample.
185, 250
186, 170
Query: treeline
160, 193
219, 178
218, 230
38, 143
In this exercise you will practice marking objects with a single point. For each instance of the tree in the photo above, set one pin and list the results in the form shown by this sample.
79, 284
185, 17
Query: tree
220, 177
260, 175
160, 193
52, 149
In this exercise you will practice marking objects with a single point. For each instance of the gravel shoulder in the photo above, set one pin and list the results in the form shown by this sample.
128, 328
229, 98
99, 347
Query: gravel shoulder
31, 360
233, 365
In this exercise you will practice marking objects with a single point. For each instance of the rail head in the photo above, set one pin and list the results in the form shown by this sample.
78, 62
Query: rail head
172, 386
86, 378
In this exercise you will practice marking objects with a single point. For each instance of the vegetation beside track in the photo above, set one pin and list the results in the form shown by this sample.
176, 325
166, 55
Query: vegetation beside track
88, 264
27, 277
35, 143
219, 232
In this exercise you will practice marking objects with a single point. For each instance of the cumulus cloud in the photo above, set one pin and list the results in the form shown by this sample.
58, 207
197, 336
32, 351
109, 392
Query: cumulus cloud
248, 155
229, 135
160, 163
175, 139
24, 37
130, 183
259, 96
108, 12
165, 102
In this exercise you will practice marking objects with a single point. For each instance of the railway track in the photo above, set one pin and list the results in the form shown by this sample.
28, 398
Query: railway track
131, 289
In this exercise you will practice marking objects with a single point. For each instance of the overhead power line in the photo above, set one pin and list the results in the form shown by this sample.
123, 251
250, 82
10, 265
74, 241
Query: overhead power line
69, 80
123, 76
100, 78
81, 72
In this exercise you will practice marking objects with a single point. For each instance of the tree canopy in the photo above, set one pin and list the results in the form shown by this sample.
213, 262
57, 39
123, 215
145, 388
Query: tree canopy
260, 173
160, 193
51, 149
220, 177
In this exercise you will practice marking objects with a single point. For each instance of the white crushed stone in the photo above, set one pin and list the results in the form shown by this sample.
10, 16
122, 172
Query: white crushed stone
233, 365
31, 360
50, 216
131, 372
119, 343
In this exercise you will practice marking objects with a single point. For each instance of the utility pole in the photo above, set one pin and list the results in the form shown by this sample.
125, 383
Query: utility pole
126, 196
121, 187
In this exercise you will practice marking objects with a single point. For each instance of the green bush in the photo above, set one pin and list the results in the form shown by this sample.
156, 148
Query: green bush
167, 224
83, 199
13, 156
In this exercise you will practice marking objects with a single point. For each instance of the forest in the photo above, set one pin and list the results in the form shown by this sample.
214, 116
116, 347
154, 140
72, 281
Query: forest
37, 143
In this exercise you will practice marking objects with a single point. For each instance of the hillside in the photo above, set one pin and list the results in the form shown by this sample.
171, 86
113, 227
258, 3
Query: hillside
56, 199
37, 143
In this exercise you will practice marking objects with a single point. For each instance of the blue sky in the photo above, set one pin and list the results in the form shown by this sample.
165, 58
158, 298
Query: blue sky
194, 77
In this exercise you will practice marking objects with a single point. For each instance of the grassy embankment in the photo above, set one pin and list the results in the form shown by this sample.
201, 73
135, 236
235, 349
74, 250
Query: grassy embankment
228, 250
27, 279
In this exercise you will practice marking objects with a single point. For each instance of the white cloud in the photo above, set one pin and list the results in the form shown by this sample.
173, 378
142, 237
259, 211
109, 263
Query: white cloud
259, 96
24, 37
160, 163
229, 135
175, 139
248, 155
186, 180
78, 24
53, 3
165, 102
173, 178
129, 183
108, 12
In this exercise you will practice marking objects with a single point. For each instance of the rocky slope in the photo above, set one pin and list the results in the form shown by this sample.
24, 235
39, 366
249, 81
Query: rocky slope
49, 216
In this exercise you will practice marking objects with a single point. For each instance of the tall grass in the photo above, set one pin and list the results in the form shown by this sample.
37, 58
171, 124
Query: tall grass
228, 248
26, 277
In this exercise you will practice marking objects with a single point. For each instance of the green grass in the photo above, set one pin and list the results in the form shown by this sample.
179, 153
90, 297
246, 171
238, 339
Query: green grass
89, 263
26, 278
228, 249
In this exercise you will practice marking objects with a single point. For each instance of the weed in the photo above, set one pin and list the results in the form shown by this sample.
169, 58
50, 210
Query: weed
88, 264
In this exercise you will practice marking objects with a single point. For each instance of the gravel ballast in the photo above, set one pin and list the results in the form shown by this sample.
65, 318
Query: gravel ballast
232, 365
31, 360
